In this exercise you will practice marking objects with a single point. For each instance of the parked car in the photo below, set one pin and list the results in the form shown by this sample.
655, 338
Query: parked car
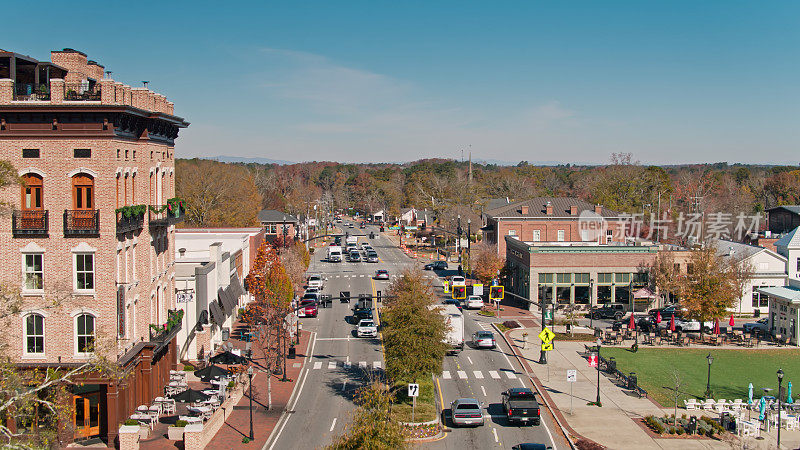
381, 274
644, 323
531, 446
521, 406
452, 301
367, 328
473, 302
684, 324
609, 311
667, 311
436, 265
760, 326
466, 411
483, 339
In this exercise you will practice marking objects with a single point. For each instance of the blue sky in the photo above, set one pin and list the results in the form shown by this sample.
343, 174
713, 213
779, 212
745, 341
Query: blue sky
670, 82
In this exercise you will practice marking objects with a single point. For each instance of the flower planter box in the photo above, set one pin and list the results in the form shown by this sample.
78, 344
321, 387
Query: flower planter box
175, 433
144, 432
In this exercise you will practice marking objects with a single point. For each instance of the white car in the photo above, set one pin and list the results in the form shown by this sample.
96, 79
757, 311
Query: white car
682, 324
456, 280
315, 281
473, 302
483, 339
367, 328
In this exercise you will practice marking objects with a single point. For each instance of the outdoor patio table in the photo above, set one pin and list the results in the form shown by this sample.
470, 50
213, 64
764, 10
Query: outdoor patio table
191, 419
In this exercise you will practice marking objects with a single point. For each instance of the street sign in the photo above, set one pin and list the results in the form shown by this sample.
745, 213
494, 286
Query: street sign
548, 315
477, 289
547, 347
546, 335
593, 360
459, 292
572, 375
496, 293
446, 285
413, 390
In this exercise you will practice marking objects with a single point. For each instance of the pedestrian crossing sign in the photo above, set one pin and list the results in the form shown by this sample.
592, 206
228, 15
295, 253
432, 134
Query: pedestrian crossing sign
546, 335
446, 285
547, 347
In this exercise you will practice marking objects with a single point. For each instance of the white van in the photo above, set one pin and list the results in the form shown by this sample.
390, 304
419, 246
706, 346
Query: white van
334, 253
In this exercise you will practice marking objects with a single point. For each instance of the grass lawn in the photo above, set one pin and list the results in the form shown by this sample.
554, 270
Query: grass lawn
426, 405
731, 371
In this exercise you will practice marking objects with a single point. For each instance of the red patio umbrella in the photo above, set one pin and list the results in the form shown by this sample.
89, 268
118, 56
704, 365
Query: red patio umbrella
672, 323
730, 322
716, 326
631, 324
658, 317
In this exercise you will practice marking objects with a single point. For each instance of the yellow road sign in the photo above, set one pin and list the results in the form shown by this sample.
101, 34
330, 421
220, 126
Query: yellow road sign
446, 287
547, 347
546, 335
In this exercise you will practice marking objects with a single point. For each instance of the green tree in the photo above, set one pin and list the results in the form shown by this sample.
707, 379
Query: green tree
372, 427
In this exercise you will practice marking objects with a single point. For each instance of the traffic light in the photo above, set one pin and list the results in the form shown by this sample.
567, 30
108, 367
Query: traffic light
459, 292
496, 293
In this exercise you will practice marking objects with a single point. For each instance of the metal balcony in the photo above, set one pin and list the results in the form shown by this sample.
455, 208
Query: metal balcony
30, 223
82, 222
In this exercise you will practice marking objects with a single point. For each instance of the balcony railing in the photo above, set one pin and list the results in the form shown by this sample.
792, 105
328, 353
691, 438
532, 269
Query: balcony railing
163, 215
82, 91
30, 223
126, 224
84, 222
30, 91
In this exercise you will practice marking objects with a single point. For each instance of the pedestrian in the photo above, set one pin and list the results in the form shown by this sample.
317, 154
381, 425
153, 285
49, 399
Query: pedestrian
460, 271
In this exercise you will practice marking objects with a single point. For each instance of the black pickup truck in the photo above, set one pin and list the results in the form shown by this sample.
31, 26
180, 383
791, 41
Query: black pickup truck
521, 406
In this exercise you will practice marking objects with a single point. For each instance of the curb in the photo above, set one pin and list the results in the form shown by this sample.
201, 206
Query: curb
566, 430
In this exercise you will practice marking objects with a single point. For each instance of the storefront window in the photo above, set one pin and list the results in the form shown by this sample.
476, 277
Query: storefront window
563, 293
582, 294
603, 294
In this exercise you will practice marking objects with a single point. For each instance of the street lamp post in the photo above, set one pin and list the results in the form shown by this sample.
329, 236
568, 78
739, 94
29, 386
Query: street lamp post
458, 242
710, 360
780, 379
469, 245
542, 353
591, 288
285, 338
599, 343
250, 377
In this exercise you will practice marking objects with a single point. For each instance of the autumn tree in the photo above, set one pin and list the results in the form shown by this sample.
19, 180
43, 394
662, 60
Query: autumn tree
664, 275
485, 263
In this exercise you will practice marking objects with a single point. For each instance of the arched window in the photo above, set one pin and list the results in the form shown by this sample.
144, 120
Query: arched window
84, 328
34, 334
82, 192
32, 192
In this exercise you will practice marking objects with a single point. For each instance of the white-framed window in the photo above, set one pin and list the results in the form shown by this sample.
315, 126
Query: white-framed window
34, 334
537, 235
609, 236
512, 232
133, 263
33, 272
84, 271
84, 334
560, 235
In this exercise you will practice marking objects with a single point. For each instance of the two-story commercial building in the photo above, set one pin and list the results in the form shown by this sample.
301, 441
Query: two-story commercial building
90, 241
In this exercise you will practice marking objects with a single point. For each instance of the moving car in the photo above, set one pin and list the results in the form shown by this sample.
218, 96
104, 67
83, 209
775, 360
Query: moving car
436, 265
312, 290
609, 311
483, 339
457, 280
521, 406
372, 256
361, 313
473, 302
466, 411
315, 281
381, 274
452, 301
367, 328
531, 446
354, 256
759, 326
308, 308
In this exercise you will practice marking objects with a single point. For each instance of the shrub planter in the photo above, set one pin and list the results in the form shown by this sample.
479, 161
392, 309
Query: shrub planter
175, 432
144, 432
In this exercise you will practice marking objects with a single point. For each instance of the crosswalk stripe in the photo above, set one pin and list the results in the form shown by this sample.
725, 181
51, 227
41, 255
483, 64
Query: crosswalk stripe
511, 375
362, 364
332, 365
317, 365
478, 374
446, 375
462, 374
494, 374
376, 365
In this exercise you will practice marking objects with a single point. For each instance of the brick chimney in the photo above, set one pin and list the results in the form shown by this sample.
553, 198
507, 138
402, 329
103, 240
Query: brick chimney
573, 210
598, 209
549, 209
523, 210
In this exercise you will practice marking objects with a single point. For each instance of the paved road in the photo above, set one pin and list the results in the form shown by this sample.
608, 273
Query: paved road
340, 362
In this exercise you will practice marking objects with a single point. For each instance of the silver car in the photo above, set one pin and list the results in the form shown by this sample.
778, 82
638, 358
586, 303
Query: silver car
466, 412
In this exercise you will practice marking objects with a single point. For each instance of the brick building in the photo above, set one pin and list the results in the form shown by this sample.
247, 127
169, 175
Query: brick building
551, 219
92, 225
278, 224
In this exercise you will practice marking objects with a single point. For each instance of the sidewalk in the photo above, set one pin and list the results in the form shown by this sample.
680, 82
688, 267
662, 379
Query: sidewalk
611, 425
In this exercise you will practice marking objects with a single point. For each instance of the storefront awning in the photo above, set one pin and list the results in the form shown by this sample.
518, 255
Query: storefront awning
216, 313
643, 293
224, 298
236, 287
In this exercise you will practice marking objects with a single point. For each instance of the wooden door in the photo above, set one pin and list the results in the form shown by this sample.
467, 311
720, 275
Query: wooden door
32, 202
83, 201
86, 415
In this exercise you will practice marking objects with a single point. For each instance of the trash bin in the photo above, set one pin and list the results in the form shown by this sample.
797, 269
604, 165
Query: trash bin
633, 381
612, 365
292, 353
569, 328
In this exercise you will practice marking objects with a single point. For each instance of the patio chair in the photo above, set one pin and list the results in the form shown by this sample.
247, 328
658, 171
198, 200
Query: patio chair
720, 405
690, 404
708, 404
792, 423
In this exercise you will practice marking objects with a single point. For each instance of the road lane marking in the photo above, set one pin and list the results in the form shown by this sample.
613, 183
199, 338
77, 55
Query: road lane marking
446, 374
332, 365
478, 374
484, 391
494, 432
462, 374
494, 374
511, 375
469, 359
334, 424
344, 385
317, 365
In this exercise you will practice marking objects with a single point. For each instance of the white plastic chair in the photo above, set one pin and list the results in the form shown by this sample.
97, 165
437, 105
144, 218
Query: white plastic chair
708, 404
690, 404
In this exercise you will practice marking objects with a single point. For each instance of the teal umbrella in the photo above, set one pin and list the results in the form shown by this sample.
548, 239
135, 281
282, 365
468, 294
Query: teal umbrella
750, 394
789, 394
762, 406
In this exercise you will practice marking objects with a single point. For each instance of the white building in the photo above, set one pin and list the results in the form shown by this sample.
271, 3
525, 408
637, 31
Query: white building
769, 270
210, 267
784, 302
